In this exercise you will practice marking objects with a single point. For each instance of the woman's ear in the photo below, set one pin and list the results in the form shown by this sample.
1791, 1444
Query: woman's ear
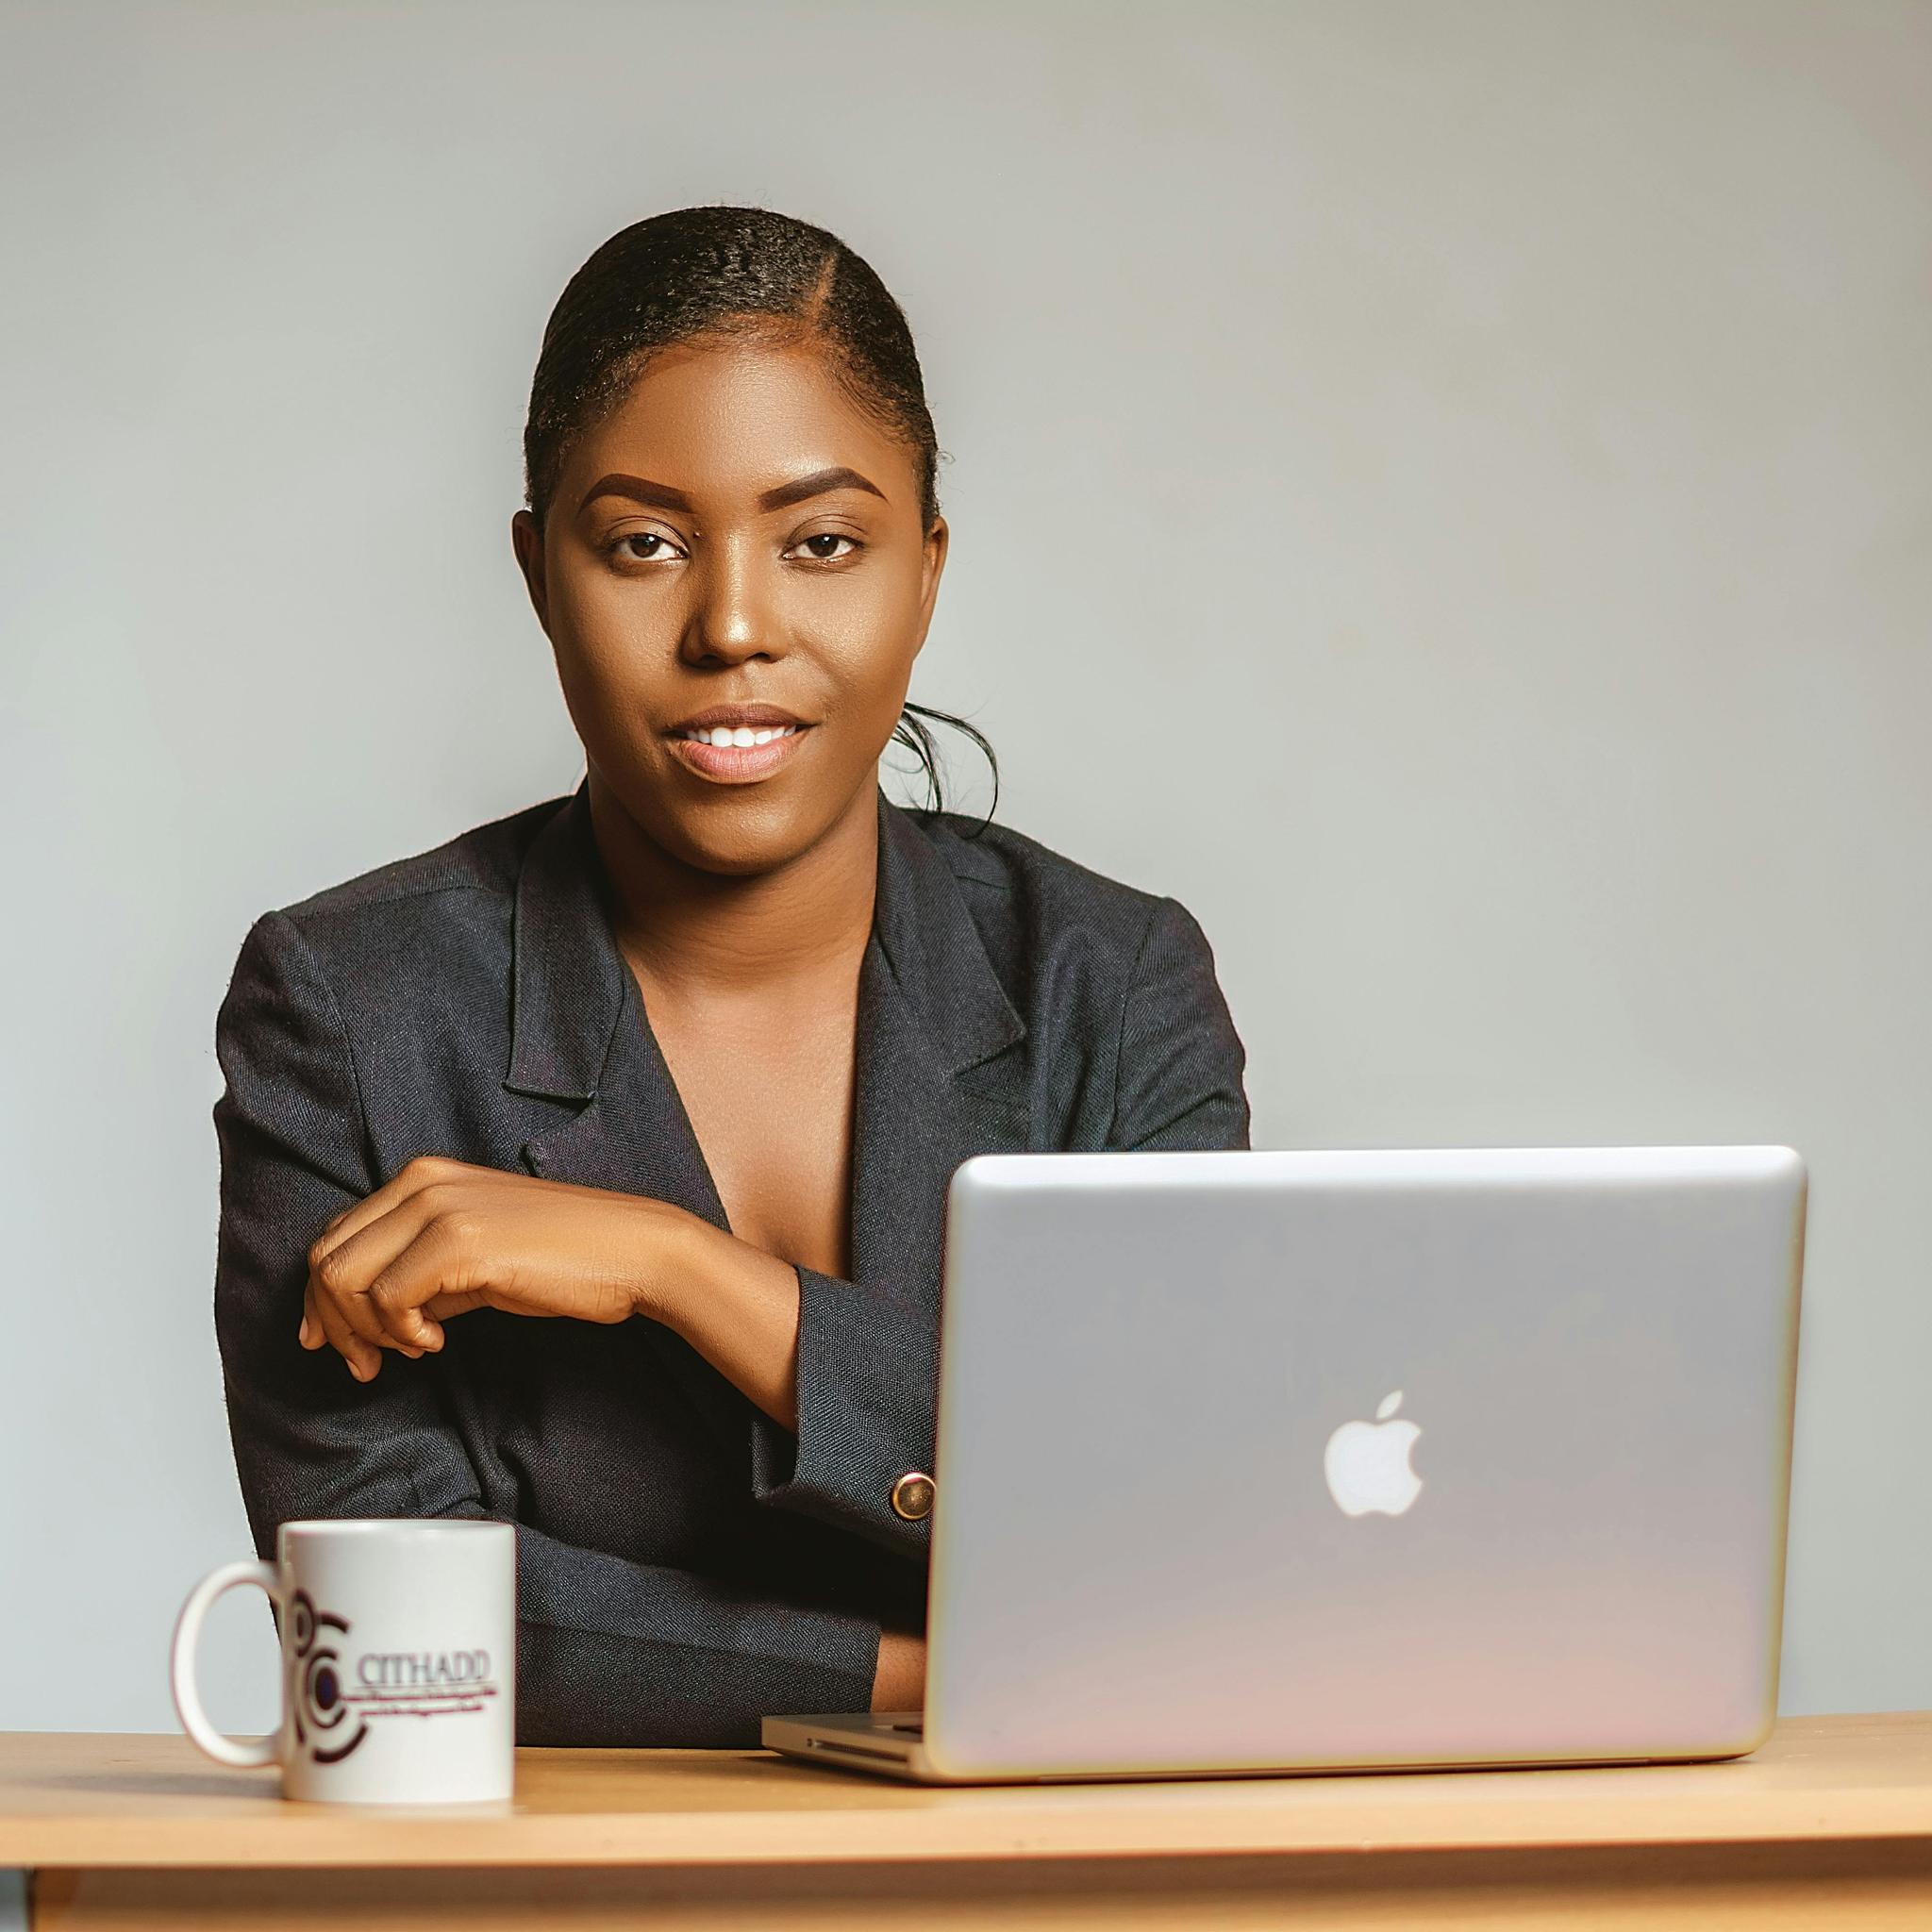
931, 567
526, 539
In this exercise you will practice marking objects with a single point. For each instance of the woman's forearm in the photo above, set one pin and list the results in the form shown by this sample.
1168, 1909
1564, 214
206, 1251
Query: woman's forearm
735, 1304
545, 1247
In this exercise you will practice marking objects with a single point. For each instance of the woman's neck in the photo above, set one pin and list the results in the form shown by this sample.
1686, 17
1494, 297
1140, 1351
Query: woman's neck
729, 935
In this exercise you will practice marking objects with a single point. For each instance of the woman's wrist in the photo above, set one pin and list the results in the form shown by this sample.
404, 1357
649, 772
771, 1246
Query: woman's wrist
683, 1265
735, 1304
669, 1250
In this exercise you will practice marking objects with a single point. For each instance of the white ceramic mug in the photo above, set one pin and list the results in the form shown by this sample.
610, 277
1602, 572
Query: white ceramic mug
398, 1660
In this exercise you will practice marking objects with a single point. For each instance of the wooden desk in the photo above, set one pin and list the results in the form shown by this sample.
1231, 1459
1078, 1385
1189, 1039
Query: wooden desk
1829, 1824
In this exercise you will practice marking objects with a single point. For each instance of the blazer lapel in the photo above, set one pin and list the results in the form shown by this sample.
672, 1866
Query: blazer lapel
580, 1036
932, 1015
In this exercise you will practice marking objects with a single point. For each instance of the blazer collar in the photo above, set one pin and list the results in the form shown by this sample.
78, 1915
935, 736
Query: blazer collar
570, 985
936, 959
566, 989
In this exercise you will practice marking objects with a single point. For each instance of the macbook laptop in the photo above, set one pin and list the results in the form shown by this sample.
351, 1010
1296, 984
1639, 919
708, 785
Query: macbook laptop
1256, 1462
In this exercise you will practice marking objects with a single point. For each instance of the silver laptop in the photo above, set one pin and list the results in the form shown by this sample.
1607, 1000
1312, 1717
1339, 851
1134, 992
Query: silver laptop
1254, 1462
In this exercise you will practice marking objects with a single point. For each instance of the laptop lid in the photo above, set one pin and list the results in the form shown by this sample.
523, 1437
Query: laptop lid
1252, 1459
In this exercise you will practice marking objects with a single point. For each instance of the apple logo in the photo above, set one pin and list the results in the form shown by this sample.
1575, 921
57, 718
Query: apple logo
1367, 1463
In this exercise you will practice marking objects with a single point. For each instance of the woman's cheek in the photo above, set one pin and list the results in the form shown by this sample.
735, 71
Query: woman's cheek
607, 668
875, 686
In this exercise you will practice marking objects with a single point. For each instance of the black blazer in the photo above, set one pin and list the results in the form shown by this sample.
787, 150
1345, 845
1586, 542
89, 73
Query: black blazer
684, 1564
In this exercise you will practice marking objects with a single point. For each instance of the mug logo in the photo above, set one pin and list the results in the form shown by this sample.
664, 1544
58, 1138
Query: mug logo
319, 1684
442, 1683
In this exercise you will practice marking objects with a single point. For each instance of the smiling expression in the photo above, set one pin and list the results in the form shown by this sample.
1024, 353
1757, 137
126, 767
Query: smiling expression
735, 553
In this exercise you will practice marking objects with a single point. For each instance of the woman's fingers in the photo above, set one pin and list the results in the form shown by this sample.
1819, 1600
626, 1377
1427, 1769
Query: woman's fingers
430, 1270
433, 1241
363, 1359
357, 1355
344, 1270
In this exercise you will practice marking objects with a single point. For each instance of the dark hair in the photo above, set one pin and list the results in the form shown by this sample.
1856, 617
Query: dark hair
745, 274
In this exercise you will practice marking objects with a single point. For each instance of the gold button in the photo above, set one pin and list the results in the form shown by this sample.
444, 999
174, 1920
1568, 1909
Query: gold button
913, 1495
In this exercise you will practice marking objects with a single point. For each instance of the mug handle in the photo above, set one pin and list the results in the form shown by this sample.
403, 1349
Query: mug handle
194, 1721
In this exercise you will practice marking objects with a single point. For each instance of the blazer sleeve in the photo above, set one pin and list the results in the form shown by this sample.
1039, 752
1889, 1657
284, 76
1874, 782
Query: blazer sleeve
610, 1652
868, 1363
1181, 1065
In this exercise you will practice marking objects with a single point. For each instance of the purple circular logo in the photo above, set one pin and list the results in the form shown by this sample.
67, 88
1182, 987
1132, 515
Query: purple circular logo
317, 1703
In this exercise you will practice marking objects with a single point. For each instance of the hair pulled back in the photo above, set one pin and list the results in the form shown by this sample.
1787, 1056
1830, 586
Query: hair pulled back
723, 273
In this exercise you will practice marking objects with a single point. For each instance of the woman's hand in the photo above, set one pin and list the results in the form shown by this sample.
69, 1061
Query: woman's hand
444, 1237
898, 1680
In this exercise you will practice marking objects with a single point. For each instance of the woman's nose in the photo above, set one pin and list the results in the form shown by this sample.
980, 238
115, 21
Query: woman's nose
732, 617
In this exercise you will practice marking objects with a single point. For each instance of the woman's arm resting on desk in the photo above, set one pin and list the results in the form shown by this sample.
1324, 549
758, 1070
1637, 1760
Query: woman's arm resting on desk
610, 1652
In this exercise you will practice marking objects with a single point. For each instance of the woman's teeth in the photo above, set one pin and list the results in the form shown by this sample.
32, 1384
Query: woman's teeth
739, 734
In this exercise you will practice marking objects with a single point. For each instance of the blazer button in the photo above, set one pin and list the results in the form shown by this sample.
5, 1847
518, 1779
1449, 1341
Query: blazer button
913, 1495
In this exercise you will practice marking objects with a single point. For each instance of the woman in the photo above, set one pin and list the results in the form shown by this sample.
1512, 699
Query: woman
683, 1062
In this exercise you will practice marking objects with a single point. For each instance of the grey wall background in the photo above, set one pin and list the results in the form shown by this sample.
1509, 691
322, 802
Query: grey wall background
1440, 488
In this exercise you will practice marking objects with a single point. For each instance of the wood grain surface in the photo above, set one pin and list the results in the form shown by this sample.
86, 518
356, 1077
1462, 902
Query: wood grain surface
102, 1800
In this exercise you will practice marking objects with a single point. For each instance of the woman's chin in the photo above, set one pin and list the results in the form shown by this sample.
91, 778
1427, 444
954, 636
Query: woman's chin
738, 831
737, 828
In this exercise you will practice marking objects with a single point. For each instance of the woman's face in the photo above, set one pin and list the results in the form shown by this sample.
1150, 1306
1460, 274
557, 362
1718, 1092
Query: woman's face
736, 535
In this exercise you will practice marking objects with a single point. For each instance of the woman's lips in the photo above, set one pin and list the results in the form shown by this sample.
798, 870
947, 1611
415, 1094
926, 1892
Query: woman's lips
738, 764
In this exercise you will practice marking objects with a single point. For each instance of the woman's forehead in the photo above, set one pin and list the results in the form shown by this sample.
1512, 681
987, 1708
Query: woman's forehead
735, 422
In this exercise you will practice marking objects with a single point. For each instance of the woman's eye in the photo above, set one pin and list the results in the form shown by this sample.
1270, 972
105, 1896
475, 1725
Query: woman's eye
621, 546
833, 537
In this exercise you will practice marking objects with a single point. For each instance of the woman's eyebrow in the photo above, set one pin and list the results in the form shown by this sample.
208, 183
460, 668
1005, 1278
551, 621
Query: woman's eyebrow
662, 496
